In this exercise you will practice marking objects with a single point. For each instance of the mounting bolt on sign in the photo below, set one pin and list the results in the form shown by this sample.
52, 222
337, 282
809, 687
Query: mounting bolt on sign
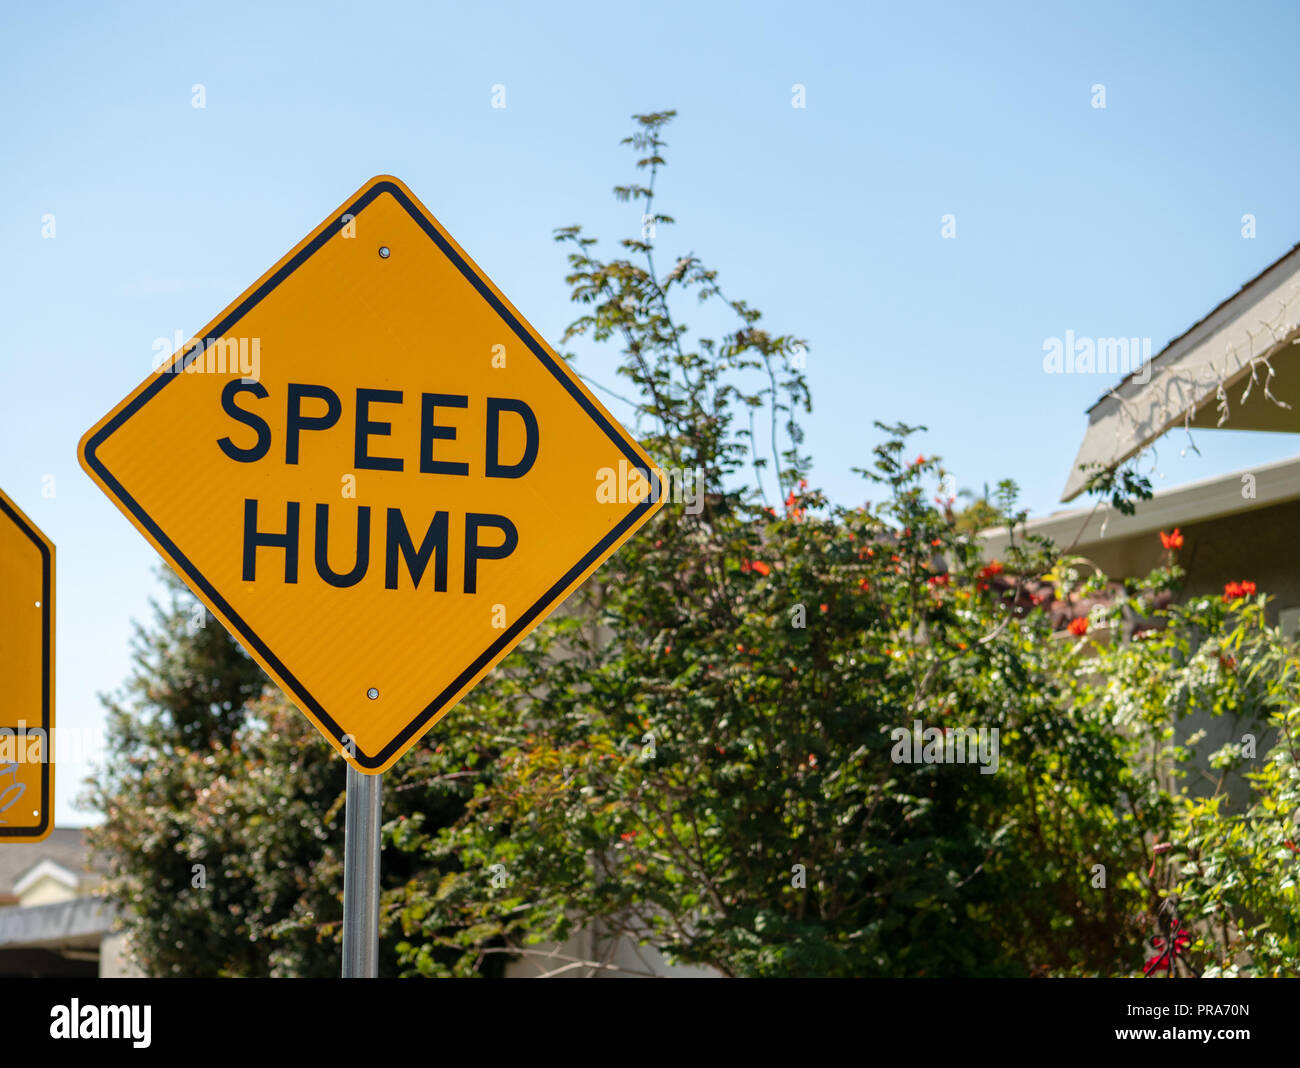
389, 477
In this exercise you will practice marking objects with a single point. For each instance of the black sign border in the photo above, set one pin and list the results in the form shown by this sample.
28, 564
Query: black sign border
42, 829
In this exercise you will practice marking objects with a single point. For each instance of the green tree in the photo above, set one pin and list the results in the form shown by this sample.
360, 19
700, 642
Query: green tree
223, 811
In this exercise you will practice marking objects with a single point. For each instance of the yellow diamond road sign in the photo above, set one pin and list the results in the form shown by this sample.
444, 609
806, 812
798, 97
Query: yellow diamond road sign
374, 472
27, 684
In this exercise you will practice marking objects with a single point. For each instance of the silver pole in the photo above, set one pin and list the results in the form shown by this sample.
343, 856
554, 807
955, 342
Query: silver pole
361, 875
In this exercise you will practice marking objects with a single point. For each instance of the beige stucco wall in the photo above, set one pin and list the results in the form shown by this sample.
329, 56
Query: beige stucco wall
113, 963
1259, 546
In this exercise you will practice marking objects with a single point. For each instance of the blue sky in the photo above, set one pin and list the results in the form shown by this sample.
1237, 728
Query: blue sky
1117, 222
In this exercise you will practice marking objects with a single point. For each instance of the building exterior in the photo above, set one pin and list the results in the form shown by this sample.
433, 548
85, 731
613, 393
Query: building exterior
1237, 368
52, 924
1227, 536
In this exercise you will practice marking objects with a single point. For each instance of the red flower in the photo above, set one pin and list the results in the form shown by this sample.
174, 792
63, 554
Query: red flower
628, 836
991, 569
1078, 627
938, 580
1235, 590
1170, 949
864, 585
918, 461
755, 565
1172, 541
825, 608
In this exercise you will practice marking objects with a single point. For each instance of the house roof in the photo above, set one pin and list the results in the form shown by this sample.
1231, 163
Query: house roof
1245, 289
43, 869
65, 846
1219, 372
83, 921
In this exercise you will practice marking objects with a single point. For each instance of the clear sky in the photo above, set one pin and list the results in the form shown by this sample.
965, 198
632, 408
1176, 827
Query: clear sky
1122, 221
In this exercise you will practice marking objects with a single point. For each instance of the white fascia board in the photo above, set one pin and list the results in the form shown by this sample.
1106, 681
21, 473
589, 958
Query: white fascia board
1220, 351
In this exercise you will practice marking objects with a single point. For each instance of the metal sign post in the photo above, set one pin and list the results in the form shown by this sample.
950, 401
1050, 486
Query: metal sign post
363, 807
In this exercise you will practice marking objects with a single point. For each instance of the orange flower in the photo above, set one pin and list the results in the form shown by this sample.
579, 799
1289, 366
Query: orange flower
1078, 627
1172, 541
991, 569
755, 565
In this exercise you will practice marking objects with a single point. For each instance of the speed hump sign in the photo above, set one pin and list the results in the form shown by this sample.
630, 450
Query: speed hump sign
27, 684
374, 472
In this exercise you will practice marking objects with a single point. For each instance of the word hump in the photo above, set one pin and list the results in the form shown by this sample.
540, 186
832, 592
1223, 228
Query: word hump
374, 473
